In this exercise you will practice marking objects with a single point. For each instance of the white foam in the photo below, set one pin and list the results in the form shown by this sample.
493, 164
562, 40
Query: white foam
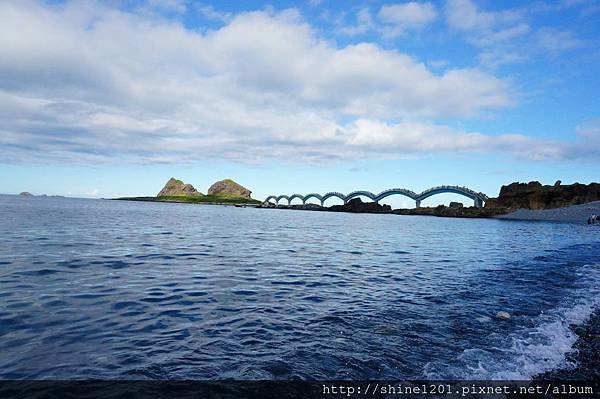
529, 352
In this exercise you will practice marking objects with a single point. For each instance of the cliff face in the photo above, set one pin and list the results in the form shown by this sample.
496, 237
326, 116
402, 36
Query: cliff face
229, 188
535, 196
176, 187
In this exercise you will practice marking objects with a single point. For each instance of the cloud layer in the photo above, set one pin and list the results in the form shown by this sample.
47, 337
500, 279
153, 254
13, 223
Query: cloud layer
84, 82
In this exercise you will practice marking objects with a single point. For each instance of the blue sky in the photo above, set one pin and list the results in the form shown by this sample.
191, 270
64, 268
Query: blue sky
111, 98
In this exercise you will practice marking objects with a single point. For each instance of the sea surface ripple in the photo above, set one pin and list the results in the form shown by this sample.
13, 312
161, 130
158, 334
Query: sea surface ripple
131, 290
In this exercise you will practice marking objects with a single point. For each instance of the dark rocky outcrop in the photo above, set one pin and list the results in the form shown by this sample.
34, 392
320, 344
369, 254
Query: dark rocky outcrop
356, 205
177, 188
229, 188
452, 211
26, 194
535, 196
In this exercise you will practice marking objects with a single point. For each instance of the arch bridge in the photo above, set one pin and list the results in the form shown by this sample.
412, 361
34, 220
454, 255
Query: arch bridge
478, 198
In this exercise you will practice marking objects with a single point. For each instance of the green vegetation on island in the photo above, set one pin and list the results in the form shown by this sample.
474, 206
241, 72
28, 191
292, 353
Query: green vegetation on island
201, 199
222, 192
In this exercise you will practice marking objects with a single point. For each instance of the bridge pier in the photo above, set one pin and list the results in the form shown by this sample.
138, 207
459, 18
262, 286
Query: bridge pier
418, 203
478, 203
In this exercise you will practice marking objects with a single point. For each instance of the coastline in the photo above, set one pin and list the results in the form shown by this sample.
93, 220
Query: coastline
203, 200
578, 214
585, 356
570, 214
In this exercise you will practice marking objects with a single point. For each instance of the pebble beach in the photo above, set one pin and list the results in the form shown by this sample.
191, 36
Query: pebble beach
570, 214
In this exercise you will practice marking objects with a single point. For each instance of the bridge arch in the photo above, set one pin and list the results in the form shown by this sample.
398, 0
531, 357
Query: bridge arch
333, 194
396, 191
478, 198
312, 195
271, 197
283, 197
354, 194
294, 196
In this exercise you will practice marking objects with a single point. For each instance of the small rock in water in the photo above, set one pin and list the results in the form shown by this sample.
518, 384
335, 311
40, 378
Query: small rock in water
503, 315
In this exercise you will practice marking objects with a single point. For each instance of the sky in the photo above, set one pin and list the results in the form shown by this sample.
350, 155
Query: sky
111, 98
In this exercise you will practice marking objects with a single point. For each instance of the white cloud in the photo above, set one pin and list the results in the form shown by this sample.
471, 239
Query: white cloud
497, 57
210, 12
418, 138
556, 41
466, 16
405, 16
485, 27
176, 6
83, 82
364, 23
93, 193
505, 37
589, 129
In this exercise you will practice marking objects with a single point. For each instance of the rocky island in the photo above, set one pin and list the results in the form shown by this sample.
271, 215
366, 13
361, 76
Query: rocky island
229, 188
177, 188
222, 192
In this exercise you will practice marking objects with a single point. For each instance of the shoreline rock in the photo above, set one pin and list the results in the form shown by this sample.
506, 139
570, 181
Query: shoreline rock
585, 357
356, 205
535, 196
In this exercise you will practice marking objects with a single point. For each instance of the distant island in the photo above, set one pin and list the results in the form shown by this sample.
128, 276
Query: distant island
28, 194
224, 191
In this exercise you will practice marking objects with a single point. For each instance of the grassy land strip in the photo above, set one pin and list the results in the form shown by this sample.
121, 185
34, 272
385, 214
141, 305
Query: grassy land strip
204, 199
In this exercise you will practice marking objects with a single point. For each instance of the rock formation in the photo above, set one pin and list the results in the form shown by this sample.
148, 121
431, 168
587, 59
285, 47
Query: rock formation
229, 188
177, 188
535, 196
356, 205
26, 194
455, 211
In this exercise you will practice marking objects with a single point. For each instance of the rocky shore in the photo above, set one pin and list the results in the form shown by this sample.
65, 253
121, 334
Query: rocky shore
572, 214
585, 357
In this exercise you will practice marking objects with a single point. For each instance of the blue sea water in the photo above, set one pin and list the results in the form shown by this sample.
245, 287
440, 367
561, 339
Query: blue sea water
133, 290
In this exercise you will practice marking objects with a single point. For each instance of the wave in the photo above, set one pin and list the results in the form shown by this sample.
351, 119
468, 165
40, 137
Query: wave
540, 347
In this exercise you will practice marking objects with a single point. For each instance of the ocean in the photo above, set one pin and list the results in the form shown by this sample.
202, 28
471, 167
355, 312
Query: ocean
137, 290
